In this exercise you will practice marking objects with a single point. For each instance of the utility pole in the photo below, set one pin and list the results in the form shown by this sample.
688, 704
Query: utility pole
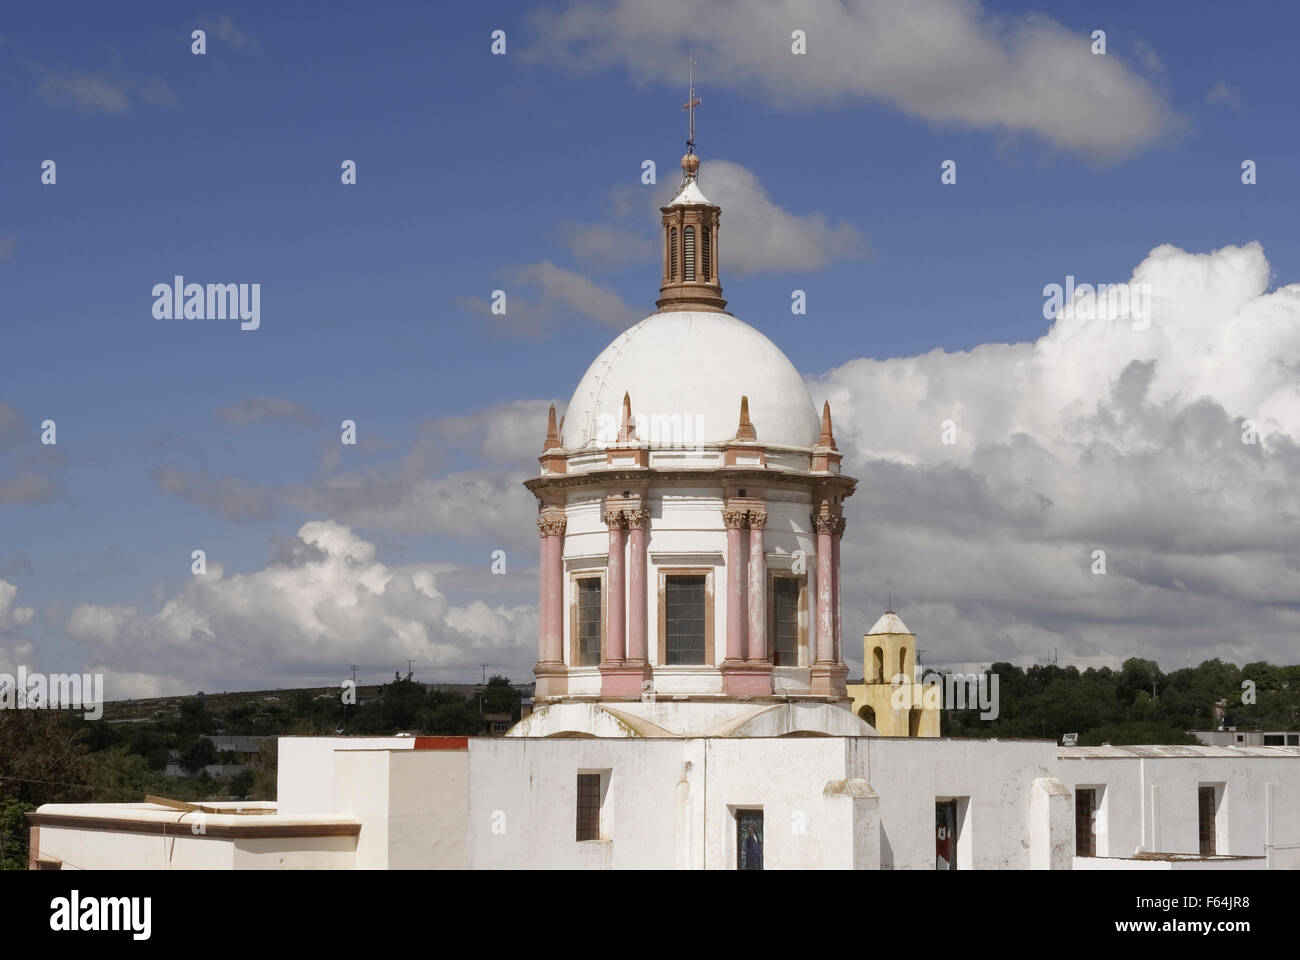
409, 669
354, 673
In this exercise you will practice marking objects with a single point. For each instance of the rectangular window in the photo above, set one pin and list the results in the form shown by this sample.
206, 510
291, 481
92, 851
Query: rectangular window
589, 622
684, 603
945, 834
1085, 822
1274, 740
749, 839
589, 806
785, 621
1205, 801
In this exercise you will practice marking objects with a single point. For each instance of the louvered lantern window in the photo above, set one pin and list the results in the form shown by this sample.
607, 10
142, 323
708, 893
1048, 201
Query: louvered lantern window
704, 240
672, 254
688, 248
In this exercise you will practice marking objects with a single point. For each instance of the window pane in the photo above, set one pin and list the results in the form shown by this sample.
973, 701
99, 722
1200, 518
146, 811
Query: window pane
684, 619
688, 253
589, 806
589, 621
1085, 822
785, 622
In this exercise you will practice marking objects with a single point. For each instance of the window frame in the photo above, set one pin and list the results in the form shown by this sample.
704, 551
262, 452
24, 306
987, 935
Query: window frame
801, 640
709, 650
574, 637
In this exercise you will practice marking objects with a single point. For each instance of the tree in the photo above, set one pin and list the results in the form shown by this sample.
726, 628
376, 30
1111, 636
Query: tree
198, 754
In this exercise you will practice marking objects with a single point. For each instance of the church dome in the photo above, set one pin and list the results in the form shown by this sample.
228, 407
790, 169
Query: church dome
692, 365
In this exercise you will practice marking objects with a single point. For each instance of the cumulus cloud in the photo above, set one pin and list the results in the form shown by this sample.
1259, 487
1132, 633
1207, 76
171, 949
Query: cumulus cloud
1098, 436
301, 621
760, 235
541, 297
414, 494
943, 61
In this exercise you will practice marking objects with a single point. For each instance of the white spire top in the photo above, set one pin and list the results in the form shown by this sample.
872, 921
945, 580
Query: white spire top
889, 622
690, 193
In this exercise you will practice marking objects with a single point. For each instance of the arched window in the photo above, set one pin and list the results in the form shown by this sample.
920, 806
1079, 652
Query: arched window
688, 251
705, 234
914, 722
672, 254
902, 661
878, 665
868, 714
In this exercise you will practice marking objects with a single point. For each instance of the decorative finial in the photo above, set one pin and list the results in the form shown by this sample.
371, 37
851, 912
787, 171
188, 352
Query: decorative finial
625, 428
746, 429
692, 101
827, 439
690, 162
891, 602
552, 435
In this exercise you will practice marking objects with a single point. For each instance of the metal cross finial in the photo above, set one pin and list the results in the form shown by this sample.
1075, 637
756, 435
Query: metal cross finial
691, 103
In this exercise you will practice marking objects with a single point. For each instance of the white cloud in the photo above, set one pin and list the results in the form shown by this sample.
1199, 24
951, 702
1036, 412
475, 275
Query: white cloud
759, 235
1221, 93
301, 621
101, 94
1096, 436
944, 61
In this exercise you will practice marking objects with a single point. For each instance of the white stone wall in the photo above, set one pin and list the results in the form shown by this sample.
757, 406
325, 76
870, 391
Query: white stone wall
1151, 803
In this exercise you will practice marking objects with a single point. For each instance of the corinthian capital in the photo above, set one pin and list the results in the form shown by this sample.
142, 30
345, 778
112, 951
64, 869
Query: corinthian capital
638, 519
734, 519
551, 524
757, 519
825, 524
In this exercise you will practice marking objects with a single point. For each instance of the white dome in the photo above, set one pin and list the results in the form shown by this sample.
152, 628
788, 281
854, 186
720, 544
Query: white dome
695, 366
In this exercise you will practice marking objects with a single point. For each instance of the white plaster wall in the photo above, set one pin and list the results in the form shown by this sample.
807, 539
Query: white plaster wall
523, 796
306, 853
1130, 822
910, 774
305, 770
428, 815
110, 850
802, 828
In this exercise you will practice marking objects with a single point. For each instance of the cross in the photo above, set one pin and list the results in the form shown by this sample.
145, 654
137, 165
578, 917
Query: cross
692, 101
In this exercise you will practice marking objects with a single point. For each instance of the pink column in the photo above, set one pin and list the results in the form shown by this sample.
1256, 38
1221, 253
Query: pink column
636, 584
543, 589
550, 526
615, 603
757, 588
825, 590
554, 579
735, 585
837, 533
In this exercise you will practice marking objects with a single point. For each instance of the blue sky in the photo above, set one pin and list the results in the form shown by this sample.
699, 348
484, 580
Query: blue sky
472, 170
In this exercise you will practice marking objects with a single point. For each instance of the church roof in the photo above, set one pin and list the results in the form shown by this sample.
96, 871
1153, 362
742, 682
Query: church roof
690, 193
687, 370
889, 622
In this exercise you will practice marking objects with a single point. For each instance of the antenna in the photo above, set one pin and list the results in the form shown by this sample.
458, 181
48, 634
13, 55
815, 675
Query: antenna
692, 101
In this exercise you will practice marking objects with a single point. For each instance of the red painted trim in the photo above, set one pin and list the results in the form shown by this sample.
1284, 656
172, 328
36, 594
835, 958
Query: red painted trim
442, 743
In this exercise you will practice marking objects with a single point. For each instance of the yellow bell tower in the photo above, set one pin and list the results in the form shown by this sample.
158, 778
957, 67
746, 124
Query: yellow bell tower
889, 698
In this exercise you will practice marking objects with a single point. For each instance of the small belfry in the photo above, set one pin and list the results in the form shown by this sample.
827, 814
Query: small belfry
690, 237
